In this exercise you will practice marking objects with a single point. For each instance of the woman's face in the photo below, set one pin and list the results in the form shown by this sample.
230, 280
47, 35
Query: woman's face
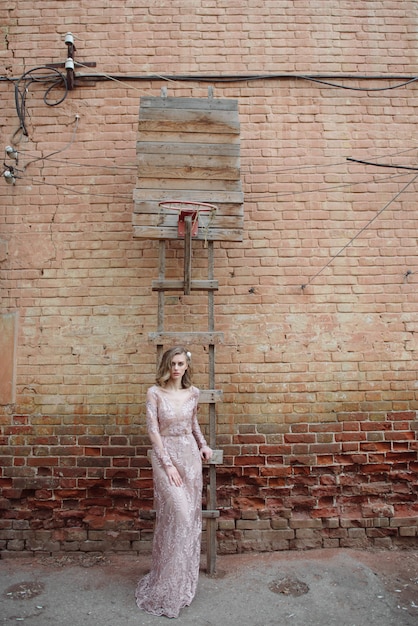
178, 366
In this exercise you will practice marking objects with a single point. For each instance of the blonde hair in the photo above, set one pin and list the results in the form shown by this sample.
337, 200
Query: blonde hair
164, 367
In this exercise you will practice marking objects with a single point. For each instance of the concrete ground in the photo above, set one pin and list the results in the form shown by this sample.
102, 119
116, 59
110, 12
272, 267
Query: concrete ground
316, 587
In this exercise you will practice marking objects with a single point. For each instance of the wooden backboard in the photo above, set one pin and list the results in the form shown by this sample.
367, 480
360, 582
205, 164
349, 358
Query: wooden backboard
188, 149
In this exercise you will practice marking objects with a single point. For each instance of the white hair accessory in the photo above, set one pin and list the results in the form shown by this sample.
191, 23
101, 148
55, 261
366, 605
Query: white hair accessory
189, 355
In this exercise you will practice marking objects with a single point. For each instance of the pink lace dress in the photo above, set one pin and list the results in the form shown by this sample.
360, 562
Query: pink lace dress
171, 583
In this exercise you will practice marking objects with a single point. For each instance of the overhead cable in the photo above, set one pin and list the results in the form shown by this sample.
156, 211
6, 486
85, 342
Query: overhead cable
398, 167
395, 197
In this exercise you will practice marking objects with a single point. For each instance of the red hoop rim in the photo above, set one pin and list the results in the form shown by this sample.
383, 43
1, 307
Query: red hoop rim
178, 205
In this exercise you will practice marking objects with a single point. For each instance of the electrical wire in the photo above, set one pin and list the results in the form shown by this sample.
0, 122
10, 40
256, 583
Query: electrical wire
235, 78
248, 196
404, 188
399, 167
105, 76
67, 145
81, 165
256, 195
244, 169
54, 79
336, 164
325, 79
40, 182
329, 84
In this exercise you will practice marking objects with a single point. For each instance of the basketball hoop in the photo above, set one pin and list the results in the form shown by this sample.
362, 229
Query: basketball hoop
188, 208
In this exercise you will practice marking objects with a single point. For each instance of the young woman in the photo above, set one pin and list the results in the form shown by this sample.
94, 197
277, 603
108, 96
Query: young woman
178, 448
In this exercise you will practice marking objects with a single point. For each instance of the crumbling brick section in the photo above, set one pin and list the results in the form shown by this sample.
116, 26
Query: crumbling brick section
348, 483
65, 490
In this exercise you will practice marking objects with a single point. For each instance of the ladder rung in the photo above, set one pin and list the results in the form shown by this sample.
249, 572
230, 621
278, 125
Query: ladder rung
178, 285
200, 339
211, 514
217, 458
209, 396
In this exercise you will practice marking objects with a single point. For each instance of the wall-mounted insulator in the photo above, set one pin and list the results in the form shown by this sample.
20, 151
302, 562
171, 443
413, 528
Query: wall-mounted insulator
69, 39
69, 42
11, 153
69, 64
9, 176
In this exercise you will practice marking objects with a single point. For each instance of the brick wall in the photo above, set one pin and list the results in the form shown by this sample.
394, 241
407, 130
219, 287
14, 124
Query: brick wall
348, 483
319, 415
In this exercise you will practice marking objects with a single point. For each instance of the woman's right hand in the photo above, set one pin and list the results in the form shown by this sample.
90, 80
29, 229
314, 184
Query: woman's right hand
174, 477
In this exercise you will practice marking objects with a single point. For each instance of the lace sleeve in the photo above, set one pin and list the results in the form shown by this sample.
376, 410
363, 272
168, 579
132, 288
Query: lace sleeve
154, 430
197, 433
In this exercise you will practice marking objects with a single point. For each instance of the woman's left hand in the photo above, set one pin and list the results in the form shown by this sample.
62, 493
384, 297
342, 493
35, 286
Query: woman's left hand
206, 453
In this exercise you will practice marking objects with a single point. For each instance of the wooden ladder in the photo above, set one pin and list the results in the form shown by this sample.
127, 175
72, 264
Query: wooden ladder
210, 338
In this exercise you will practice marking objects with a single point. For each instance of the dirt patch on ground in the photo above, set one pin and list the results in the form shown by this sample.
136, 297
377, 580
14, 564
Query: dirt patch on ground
289, 587
81, 560
25, 590
398, 571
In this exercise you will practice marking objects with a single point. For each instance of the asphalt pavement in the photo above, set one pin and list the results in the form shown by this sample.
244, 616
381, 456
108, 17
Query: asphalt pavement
315, 587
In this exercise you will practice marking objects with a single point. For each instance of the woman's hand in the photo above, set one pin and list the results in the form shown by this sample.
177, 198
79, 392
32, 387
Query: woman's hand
206, 453
174, 477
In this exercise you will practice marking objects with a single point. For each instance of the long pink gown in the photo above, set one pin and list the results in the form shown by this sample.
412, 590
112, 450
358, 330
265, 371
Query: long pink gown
171, 583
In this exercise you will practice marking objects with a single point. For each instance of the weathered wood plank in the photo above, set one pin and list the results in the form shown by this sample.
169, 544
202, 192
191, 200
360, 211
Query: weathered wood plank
197, 149
191, 338
169, 217
188, 185
213, 197
193, 160
218, 104
179, 136
153, 208
155, 232
201, 173
178, 285
171, 221
188, 121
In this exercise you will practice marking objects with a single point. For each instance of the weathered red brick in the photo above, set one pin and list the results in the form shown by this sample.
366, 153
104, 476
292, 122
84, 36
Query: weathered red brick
249, 460
402, 415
